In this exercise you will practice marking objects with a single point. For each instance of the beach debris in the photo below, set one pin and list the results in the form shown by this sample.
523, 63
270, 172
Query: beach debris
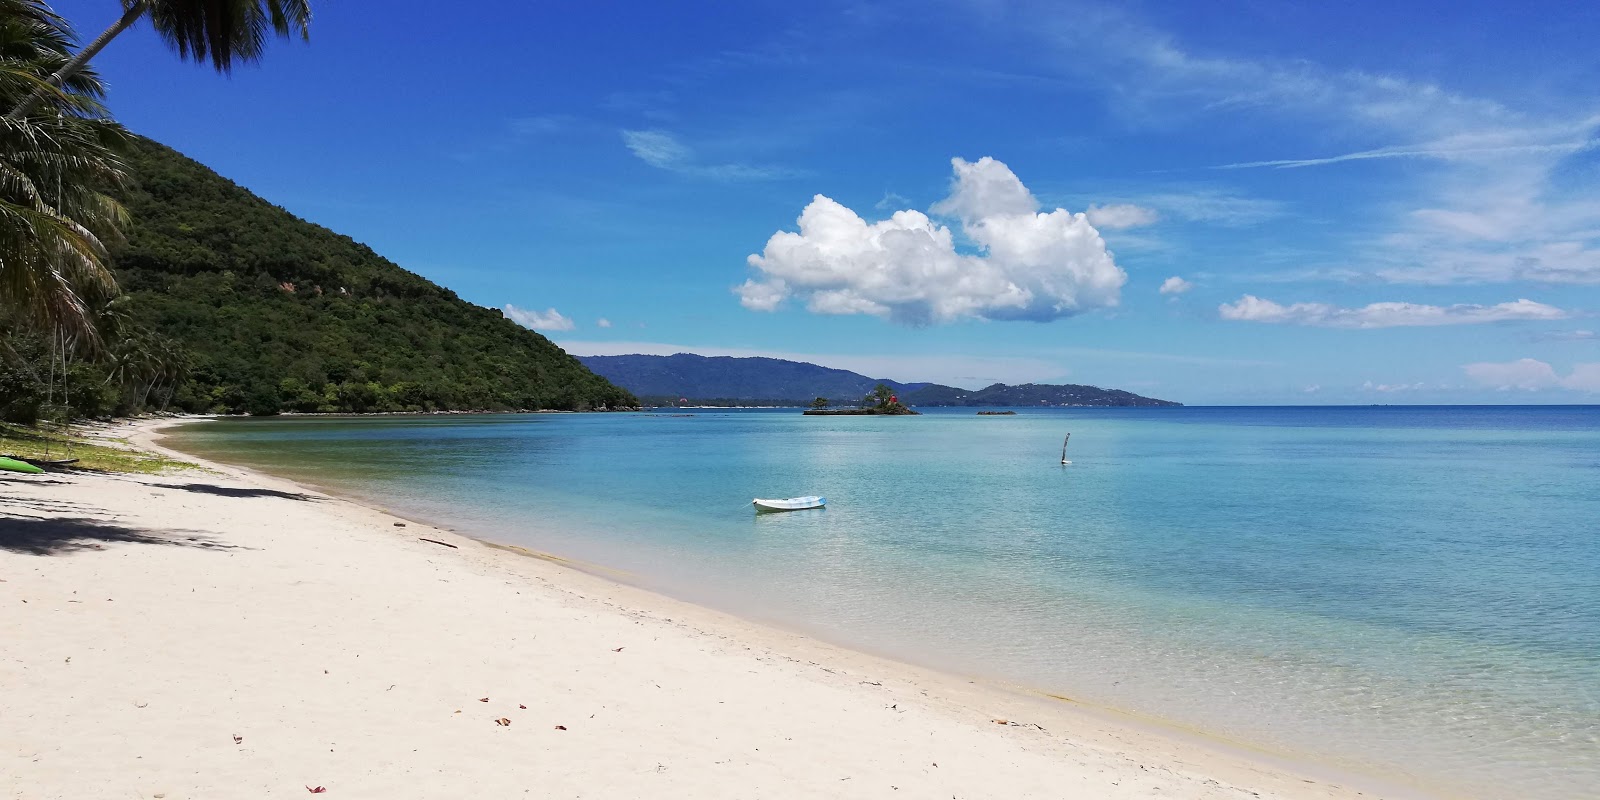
399, 524
483, 699
503, 722
318, 790
436, 541
1004, 722
616, 649
561, 727
521, 706
237, 739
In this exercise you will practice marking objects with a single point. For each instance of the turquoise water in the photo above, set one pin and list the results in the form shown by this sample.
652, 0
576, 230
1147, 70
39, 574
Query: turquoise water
1413, 592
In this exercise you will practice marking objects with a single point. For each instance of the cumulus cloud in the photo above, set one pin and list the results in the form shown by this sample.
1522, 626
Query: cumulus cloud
1030, 265
1250, 308
1532, 375
1175, 285
604, 323
549, 320
1119, 215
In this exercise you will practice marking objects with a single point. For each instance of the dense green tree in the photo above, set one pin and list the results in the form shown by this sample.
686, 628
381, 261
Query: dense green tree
221, 31
821, 402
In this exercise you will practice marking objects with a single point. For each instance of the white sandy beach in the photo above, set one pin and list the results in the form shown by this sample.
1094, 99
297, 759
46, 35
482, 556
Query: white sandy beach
222, 634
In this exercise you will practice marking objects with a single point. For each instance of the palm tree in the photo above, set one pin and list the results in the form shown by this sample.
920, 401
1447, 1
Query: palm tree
223, 31
55, 218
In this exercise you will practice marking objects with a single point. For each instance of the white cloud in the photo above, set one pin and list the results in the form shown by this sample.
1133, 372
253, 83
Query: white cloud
662, 149
1250, 308
1532, 375
549, 320
603, 322
1175, 285
1120, 215
1393, 387
1031, 265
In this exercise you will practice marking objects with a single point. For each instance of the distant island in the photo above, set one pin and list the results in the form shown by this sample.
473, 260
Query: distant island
689, 379
882, 402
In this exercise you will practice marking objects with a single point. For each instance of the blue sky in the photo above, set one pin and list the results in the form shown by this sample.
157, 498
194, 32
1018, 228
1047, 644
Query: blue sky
1363, 202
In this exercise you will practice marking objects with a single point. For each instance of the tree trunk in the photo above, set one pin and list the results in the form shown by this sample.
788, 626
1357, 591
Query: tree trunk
80, 60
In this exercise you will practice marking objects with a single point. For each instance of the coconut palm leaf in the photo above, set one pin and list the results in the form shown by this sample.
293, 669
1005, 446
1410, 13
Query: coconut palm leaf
223, 32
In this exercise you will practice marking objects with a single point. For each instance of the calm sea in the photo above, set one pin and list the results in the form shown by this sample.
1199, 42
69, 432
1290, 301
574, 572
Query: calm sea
1410, 591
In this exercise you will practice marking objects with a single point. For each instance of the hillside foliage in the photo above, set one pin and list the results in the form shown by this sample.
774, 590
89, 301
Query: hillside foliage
278, 314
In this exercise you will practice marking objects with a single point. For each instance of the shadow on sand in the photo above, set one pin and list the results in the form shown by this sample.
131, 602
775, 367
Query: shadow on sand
236, 491
62, 536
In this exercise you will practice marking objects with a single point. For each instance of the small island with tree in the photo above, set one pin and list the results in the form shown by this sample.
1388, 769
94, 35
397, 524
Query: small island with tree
882, 401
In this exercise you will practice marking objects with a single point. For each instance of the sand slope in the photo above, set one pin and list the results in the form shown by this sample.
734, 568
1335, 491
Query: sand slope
145, 623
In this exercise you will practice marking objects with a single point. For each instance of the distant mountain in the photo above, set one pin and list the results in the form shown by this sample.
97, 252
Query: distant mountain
767, 380
1029, 394
723, 380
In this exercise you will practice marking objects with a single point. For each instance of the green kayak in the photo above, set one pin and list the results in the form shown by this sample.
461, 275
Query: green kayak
13, 465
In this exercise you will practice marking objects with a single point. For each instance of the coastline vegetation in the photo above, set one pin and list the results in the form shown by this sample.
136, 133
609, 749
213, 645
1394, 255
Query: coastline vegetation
93, 454
881, 402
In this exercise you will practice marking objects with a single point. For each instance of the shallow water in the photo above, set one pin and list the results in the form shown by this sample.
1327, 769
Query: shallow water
1410, 591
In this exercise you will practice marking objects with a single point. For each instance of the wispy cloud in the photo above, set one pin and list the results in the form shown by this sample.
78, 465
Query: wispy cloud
1383, 315
1529, 374
544, 124
547, 320
1369, 386
1570, 336
892, 202
1214, 206
1491, 209
1441, 150
665, 151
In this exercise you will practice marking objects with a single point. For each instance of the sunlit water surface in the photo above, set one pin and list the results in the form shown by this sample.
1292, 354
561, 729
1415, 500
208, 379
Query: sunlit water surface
1413, 592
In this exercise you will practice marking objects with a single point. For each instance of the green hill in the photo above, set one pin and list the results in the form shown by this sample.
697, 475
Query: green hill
280, 314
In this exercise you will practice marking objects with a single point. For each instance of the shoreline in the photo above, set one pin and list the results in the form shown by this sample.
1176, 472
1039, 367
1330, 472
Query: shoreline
1117, 752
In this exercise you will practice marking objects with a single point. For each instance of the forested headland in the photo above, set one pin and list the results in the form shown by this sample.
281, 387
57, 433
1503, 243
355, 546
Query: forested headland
230, 304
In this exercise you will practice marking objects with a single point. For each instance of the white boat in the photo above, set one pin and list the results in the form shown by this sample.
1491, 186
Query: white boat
791, 504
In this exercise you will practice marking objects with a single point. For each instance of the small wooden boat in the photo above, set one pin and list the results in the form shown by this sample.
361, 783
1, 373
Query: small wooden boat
13, 465
791, 504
